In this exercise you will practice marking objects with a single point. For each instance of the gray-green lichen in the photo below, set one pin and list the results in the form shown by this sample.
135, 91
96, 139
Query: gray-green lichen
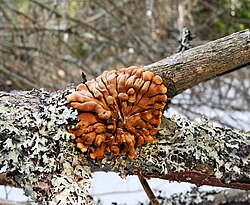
37, 151
186, 145
188, 150
36, 148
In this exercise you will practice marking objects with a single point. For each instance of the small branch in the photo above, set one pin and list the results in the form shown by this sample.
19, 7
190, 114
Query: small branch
148, 190
98, 32
186, 36
9, 202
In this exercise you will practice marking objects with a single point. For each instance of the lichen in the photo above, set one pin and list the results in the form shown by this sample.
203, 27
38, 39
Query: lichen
37, 151
186, 146
198, 146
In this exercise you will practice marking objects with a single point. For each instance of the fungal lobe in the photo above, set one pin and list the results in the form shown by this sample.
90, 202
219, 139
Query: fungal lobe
119, 111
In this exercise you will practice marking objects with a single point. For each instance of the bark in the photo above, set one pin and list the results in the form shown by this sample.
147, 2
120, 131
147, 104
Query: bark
37, 152
186, 69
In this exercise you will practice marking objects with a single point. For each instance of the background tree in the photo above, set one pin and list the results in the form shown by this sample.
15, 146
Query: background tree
48, 43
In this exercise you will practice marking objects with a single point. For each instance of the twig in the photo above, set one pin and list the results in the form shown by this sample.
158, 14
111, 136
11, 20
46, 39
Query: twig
185, 38
147, 189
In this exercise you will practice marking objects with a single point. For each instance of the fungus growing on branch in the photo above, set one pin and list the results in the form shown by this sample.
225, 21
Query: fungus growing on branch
118, 112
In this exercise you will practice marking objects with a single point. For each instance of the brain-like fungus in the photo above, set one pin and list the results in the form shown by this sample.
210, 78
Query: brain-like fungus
118, 112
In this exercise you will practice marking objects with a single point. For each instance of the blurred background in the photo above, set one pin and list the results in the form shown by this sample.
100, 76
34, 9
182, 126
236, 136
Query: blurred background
49, 43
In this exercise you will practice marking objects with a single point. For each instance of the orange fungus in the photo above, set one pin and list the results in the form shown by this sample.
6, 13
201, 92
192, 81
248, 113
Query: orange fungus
118, 112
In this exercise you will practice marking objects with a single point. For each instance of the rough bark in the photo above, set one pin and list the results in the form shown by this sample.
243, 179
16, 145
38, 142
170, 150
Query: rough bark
36, 150
187, 69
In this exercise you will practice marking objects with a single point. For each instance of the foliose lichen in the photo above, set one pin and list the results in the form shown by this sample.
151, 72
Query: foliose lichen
36, 148
186, 146
189, 145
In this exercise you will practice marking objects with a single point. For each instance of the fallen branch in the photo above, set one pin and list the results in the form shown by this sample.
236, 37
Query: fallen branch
38, 154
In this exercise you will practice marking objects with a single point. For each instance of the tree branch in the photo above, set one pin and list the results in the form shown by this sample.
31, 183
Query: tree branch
189, 68
37, 152
195, 152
